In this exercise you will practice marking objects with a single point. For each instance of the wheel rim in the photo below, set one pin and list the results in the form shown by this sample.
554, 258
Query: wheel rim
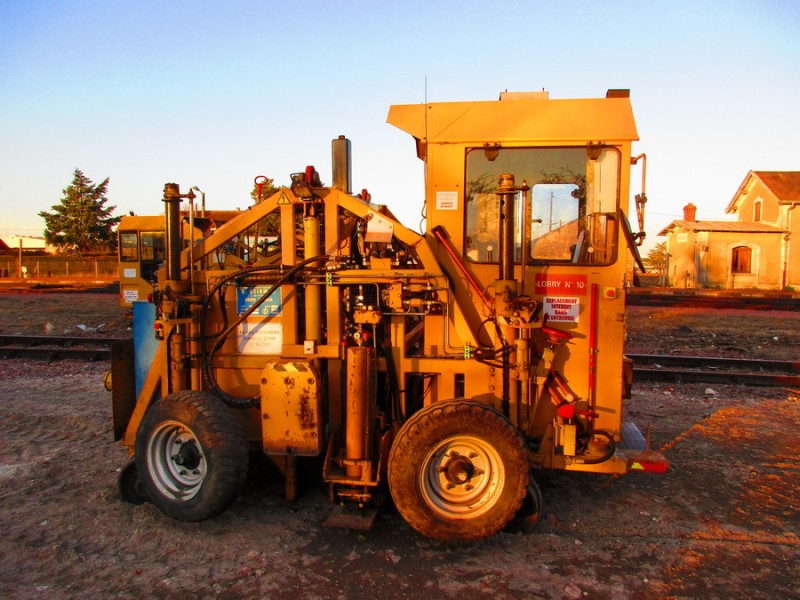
176, 461
462, 477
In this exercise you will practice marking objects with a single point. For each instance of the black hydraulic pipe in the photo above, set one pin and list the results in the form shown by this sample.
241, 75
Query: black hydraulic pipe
172, 199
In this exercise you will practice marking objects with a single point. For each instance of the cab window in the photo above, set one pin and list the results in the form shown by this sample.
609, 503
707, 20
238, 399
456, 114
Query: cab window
153, 246
568, 215
128, 246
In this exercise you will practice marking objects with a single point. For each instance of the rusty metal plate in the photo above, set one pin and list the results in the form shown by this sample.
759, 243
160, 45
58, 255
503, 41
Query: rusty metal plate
291, 408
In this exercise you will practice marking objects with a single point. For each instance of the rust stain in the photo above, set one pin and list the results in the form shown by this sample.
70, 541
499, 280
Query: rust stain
307, 414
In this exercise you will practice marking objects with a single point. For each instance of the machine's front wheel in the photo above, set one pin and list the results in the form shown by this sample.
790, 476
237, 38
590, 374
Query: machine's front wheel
458, 470
191, 455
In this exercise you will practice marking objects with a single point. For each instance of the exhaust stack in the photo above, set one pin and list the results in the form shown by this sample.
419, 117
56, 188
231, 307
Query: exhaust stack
341, 164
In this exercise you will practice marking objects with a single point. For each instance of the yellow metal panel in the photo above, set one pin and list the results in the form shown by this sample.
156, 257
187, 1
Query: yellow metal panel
152, 384
517, 120
291, 408
142, 223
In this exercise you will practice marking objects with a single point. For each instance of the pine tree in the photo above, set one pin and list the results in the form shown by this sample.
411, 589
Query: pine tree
81, 223
656, 259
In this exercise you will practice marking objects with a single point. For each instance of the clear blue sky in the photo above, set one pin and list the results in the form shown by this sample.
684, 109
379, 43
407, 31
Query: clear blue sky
214, 93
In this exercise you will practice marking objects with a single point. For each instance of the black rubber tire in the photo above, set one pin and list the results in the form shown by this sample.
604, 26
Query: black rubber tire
458, 470
130, 486
530, 512
191, 455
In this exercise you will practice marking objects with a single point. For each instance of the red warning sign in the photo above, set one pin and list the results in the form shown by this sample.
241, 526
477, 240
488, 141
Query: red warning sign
551, 284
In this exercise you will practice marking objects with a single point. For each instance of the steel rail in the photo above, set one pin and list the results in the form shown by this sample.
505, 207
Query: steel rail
721, 377
765, 302
56, 347
647, 367
715, 362
707, 369
56, 340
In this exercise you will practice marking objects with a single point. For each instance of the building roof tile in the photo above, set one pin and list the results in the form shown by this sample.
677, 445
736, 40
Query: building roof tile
720, 226
784, 184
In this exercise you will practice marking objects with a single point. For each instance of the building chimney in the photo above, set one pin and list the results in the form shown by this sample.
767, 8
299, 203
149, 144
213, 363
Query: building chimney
690, 212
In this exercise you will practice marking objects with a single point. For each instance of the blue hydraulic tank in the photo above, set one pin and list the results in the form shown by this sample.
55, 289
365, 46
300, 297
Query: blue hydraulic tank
144, 340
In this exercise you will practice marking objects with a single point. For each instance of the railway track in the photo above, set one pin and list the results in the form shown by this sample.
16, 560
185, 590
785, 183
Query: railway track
715, 301
56, 347
646, 367
707, 369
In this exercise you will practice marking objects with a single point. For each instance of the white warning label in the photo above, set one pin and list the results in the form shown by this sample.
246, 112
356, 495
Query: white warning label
564, 309
260, 337
447, 200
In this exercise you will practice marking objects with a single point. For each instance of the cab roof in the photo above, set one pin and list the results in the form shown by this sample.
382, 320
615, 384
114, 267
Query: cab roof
519, 117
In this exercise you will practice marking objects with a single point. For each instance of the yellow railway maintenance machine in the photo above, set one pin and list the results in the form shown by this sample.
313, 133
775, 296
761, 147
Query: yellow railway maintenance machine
444, 367
142, 247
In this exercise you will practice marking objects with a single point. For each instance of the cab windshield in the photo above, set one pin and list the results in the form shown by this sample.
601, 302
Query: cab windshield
569, 215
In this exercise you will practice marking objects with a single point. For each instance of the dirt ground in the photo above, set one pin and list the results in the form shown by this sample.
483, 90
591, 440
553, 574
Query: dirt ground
722, 523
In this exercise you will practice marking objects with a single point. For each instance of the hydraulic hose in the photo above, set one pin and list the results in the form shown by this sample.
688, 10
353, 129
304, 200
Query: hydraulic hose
207, 358
611, 447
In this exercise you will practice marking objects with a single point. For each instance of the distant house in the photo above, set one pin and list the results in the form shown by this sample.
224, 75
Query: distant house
758, 250
27, 242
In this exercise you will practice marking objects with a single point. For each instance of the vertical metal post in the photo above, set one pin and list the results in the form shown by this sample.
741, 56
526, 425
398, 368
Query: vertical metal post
176, 335
524, 227
506, 190
360, 393
177, 353
191, 197
341, 164
593, 333
313, 292
172, 199
506, 287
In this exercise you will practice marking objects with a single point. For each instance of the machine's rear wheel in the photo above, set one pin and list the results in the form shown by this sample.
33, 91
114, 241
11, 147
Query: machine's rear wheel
191, 455
130, 486
458, 470
528, 514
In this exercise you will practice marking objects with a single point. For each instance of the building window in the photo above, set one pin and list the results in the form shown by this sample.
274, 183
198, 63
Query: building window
757, 211
740, 259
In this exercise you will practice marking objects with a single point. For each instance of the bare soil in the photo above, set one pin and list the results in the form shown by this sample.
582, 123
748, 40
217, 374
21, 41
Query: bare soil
735, 333
722, 523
